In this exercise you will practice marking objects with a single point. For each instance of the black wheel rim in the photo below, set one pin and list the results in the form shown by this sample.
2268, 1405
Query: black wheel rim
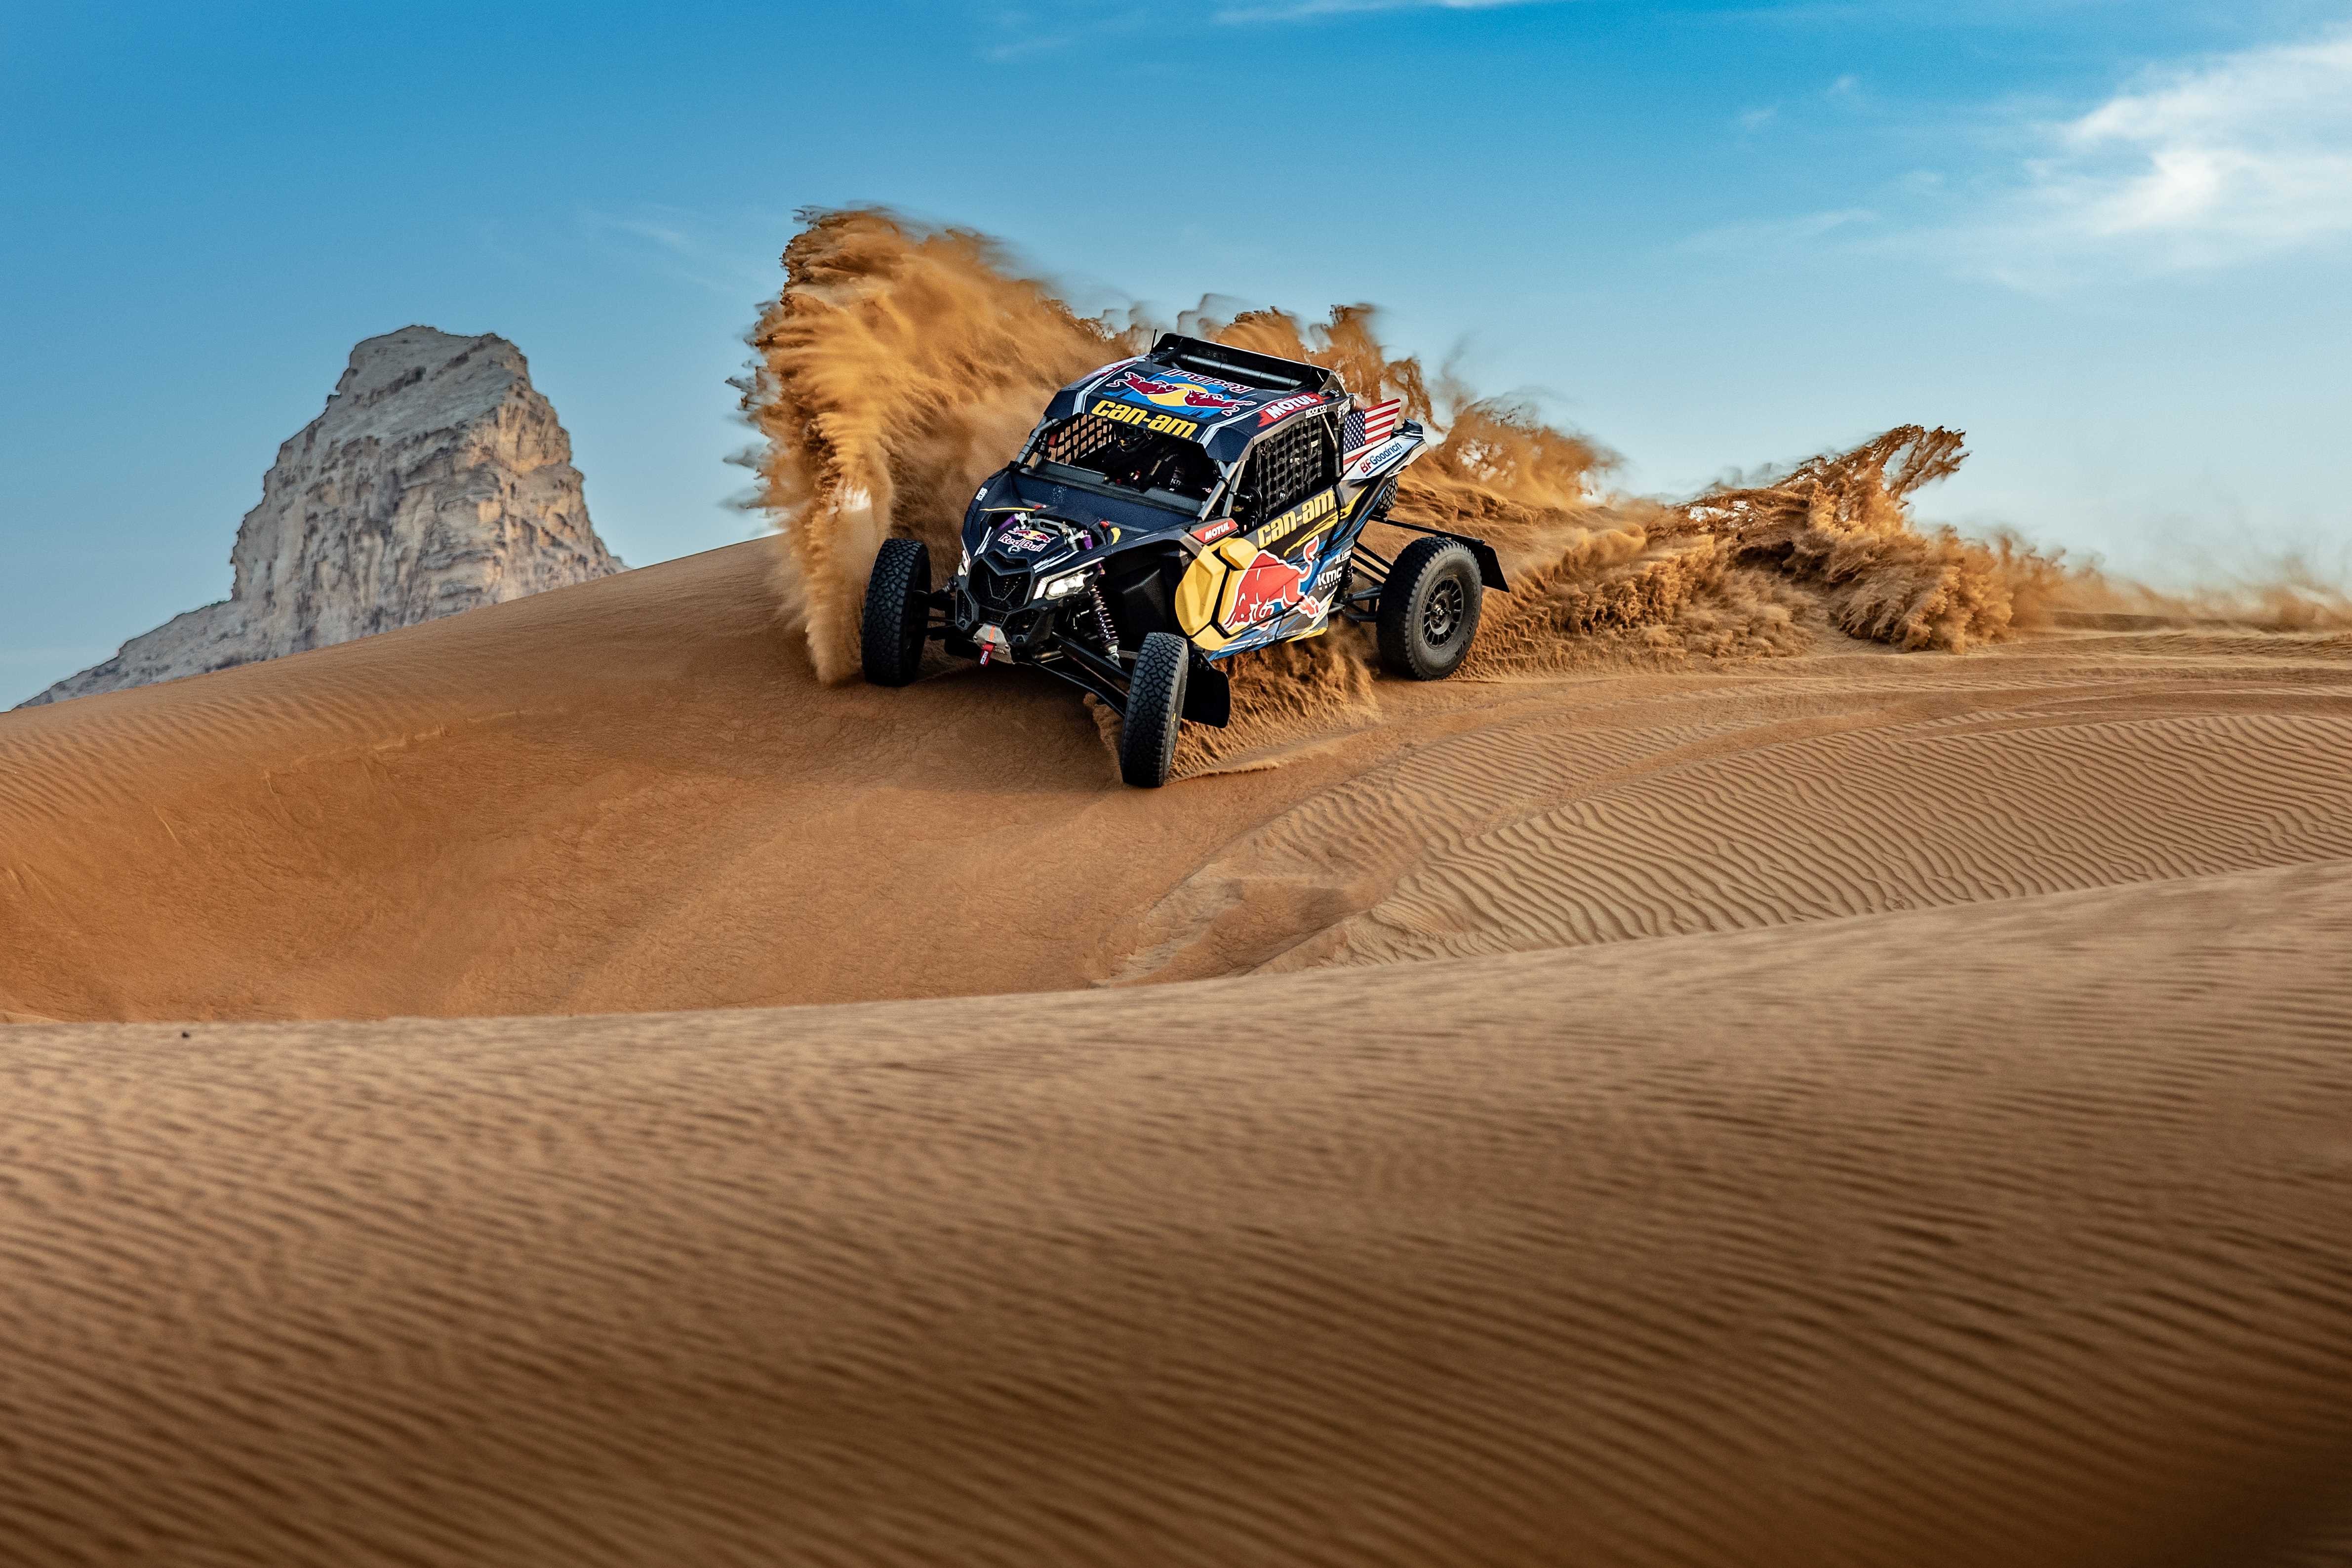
1441, 614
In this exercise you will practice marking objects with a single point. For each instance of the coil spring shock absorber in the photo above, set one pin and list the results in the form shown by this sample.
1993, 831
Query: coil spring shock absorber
1102, 620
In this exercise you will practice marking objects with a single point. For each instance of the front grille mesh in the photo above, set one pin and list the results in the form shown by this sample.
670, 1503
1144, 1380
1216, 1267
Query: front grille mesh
998, 594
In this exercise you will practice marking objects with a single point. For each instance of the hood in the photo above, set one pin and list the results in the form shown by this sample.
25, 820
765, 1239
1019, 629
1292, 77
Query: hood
1029, 542
1106, 520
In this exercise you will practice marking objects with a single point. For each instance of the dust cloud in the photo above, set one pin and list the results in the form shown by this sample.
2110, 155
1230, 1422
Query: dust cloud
900, 363
895, 370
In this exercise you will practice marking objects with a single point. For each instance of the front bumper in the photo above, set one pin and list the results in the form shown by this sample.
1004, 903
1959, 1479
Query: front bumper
1019, 626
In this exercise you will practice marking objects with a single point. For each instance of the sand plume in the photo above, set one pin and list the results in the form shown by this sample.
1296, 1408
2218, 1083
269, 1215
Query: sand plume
1752, 570
899, 365
2282, 595
897, 368
1348, 344
1616, 591
1495, 469
1840, 525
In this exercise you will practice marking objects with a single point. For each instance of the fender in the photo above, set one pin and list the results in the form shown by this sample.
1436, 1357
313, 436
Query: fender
1490, 565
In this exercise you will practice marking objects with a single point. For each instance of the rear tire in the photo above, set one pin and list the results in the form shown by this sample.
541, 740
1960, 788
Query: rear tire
1429, 610
1155, 710
898, 612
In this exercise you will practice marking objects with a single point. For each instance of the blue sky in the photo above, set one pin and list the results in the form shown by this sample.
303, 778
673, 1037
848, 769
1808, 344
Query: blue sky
2110, 240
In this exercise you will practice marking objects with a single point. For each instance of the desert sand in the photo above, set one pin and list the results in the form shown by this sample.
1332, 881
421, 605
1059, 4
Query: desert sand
1859, 1107
633, 796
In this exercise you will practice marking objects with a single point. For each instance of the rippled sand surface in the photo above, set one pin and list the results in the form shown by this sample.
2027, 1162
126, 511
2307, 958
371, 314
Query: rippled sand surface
1863, 1108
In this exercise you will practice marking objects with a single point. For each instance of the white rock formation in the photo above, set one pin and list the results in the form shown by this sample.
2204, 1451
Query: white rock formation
436, 480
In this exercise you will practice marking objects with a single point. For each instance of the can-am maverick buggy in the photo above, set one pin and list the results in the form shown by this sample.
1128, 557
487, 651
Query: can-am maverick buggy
1169, 513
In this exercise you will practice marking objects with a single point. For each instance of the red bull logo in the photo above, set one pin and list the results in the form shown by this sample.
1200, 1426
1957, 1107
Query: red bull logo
1265, 588
1169, 393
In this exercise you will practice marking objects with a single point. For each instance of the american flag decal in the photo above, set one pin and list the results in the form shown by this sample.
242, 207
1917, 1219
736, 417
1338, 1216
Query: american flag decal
1363, 427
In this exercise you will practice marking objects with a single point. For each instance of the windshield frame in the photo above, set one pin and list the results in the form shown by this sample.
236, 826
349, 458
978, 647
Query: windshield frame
1041, 468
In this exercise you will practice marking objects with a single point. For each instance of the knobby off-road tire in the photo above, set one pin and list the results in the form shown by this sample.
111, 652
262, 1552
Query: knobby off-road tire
1429, 610
1155, 710
897, 612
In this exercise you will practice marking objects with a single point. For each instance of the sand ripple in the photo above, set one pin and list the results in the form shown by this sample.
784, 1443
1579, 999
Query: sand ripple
1887, 1242
1643, 807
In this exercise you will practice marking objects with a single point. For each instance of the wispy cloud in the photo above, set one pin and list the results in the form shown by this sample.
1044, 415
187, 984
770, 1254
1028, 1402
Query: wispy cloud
691, 248
1772, 234
1024, 32
2235, 157
2198, 166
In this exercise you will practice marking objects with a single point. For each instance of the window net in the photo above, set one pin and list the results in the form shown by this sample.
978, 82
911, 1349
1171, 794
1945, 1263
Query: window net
1292, 464
1073, 442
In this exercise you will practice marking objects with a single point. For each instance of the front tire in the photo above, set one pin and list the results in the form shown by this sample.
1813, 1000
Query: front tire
898, 612
1155, 710
1429, 610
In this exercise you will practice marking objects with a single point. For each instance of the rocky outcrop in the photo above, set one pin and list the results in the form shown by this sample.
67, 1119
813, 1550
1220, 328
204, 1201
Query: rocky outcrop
436, 480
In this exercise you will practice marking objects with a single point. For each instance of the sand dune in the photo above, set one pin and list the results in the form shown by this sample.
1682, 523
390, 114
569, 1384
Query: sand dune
1808, 789
1878, 1240
1852, 1107
628, 796
633, 795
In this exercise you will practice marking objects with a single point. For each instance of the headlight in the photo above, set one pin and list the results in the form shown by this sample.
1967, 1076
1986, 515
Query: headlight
963, 566
1063, 586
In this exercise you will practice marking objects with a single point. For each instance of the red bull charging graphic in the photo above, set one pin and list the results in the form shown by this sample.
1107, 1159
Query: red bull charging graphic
1174, 389
1269, 585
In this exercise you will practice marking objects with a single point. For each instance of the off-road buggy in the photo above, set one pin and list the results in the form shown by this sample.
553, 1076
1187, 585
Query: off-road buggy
1169, 513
